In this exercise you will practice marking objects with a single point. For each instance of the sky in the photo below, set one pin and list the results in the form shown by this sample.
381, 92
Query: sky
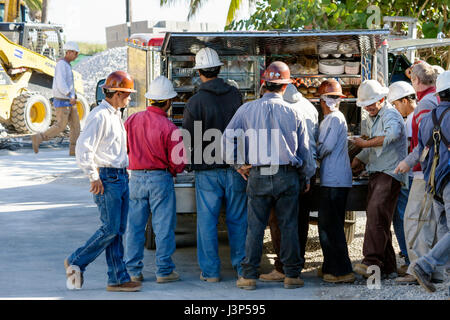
85, 20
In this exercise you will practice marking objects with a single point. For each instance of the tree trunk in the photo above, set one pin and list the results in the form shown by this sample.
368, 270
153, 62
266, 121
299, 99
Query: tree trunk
45, 5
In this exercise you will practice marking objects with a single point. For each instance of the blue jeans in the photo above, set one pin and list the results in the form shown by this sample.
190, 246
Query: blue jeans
439, 254
211, 188
280, 191
151, 192
113, 207
397, 220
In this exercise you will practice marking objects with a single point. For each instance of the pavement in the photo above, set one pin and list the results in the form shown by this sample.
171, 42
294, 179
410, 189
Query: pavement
46, 212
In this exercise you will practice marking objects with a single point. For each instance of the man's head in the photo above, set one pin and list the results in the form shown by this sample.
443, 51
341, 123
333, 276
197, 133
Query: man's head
71, 48
371, 95
423, 76
207, 63
403, 97
161, 93
330, 92
277, 76
117, 88
443, 86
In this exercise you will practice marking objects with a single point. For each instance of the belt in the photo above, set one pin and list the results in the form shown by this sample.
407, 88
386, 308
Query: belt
112, 170
151, 170
280, 167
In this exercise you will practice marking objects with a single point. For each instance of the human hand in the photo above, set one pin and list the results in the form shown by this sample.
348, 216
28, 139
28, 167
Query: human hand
97, 187
244, 171
360, 143
402, 167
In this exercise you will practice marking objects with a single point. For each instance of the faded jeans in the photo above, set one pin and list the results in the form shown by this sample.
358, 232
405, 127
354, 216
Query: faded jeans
397, 221
438, 256
211, 187
151, 191
113, 207
281, 191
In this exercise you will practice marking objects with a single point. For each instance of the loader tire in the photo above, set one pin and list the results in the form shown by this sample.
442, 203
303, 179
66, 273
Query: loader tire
31, 112
83, 109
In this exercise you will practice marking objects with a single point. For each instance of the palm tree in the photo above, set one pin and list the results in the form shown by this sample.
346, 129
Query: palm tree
195, 5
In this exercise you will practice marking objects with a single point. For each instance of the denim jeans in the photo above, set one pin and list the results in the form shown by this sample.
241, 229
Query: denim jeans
151, 192
113, 207
397, 221
211, 188
281, 191
331, 231
439, 254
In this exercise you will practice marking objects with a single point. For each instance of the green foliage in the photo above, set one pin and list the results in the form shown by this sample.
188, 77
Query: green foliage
34, 5
88, 48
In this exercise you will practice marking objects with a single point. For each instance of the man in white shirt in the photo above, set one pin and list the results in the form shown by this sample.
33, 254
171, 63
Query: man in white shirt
101, 152
64, 101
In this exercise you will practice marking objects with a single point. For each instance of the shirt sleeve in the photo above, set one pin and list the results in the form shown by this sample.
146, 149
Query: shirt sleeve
303, 152
176, 151
413, 158
87, 144
364, 155
392, 131
233, 136
62, 79
328, 138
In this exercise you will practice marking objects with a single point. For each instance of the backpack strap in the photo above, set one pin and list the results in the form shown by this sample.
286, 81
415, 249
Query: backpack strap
437, 129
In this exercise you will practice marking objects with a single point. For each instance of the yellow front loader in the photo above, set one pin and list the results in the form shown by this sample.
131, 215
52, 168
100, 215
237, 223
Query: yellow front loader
28, 55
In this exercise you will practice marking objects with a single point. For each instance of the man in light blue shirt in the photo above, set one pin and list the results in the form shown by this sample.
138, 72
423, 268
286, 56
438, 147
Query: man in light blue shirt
64, 101
277, 157
386, 147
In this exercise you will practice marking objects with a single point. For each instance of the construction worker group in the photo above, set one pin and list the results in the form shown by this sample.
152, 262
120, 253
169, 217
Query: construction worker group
131, 167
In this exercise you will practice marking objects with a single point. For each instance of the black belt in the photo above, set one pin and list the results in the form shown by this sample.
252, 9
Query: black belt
112, 170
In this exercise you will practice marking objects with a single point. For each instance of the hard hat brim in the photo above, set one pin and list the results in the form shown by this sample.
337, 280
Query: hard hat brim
118, 89
336, 93
279, 81
197, 67
171, 95
366, 103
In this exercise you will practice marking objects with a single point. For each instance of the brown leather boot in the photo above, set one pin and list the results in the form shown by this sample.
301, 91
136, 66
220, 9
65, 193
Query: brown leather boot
129, 286
292, 283
274, 276
247, 284
36, 140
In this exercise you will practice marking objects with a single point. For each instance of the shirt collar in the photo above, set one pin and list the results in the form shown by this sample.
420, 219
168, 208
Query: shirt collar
421, 94
110, 108
157, 110
269, 95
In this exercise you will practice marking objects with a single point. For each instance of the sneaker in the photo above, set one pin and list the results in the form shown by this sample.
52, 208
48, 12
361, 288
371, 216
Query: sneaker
423, 278
274, 276
74, 276
346, 278
129, 286
36, 140
402, 270
361, 269
217, 279
171, 277
138, 278
407, 279
292, 283
246, 284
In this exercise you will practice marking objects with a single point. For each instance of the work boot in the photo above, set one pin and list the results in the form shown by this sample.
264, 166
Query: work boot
406, 279
402, 270
346, 278
274, 276
36, 140
170, 278
292, 283
214, 279
138, 278
129, 286
361, 269
423, 278
246, 284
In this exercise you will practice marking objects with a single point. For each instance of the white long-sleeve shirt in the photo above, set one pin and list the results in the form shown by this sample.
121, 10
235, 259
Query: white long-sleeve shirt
63, 86
103, 142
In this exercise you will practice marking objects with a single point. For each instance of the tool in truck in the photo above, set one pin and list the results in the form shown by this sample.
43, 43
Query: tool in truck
28, 54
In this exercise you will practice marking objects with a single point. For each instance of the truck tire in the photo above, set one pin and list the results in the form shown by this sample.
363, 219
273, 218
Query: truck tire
350, 226
31, 112
83, 109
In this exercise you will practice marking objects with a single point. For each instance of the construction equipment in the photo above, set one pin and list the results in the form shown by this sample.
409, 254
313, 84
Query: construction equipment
28, 54
13, 11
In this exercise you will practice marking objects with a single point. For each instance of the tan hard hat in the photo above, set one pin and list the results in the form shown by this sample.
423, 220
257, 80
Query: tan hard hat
119, 81
277, 72
331, 87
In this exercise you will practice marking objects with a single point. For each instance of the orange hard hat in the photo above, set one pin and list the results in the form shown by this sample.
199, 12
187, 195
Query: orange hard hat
277, 72
119, 81
331, 87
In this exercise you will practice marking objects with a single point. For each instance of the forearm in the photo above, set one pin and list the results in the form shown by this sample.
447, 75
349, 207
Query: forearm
374, 142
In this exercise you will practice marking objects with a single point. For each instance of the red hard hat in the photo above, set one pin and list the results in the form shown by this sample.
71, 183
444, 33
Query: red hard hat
119, 81
331, 87
277, 72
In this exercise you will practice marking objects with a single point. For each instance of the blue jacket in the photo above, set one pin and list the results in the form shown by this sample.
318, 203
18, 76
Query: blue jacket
425, 132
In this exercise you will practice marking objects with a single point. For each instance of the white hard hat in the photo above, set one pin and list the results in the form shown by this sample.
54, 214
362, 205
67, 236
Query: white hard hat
160, 89
398, 90
291, 94
438, 69
71, 46
369, 92
443, 81
207, 58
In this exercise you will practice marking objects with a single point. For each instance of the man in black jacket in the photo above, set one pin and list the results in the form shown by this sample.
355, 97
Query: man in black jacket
206, 116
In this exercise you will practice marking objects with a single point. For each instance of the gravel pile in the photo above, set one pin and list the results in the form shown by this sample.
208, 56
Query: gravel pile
389, 290
98, 67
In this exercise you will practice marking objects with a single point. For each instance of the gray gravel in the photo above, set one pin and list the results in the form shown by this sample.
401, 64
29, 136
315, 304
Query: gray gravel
97, 67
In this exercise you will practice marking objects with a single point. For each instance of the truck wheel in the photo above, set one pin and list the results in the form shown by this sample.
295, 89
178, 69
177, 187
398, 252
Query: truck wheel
150, 242
83, 109
31, 113
350, 226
